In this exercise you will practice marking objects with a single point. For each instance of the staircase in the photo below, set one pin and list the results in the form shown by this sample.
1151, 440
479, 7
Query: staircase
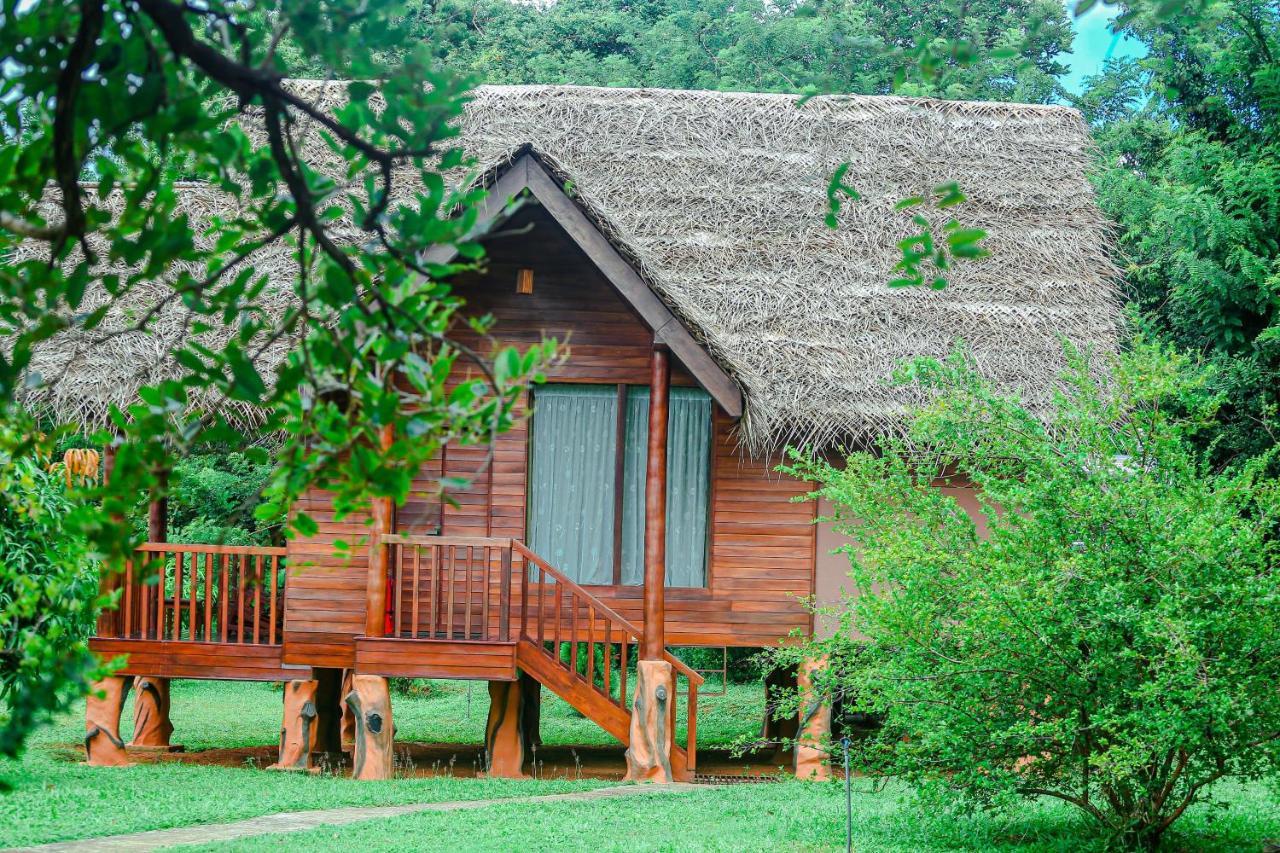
486, 608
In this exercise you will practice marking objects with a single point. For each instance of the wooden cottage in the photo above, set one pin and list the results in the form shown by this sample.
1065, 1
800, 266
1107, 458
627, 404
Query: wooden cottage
676, 241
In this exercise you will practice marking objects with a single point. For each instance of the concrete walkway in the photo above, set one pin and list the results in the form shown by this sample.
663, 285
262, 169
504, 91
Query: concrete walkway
156, 839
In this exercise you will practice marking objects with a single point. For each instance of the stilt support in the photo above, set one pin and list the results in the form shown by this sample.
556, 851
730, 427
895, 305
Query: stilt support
103, 746
152, 728
811, 758
504, 738
348, 726
649, 755
530, 713
370, 704
298, 731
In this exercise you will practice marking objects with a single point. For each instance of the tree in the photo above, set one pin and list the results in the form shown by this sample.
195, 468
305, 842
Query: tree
1114, 641
48, 597
1189, 139
836, 46
106, 105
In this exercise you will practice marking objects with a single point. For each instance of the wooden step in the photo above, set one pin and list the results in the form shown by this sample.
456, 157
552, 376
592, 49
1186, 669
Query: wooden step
588, 700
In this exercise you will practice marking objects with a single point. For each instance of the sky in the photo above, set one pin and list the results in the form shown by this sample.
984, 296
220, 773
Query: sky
1094, 44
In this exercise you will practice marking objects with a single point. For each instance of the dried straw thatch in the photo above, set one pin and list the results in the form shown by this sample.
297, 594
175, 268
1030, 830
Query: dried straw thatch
719, 199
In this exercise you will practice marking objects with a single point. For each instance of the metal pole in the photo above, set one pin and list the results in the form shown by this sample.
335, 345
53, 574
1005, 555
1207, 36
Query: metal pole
848, 800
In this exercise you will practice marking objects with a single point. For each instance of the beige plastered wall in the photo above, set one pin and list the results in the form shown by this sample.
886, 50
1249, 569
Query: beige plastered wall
831, 575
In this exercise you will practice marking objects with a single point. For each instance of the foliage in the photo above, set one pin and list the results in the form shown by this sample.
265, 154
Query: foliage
1113, 643
48, 598
830, 46
1189, 139
137, 94
214, 497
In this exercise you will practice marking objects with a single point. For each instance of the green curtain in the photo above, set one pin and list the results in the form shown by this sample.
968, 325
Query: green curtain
574, 448
688, 486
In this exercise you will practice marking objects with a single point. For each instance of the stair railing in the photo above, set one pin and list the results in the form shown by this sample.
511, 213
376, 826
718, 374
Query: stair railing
556, 610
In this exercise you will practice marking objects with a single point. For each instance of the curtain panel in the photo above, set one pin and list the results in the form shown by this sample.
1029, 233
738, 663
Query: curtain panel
572, 482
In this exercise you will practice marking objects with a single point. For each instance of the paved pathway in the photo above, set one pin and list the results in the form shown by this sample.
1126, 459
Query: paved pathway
297, 821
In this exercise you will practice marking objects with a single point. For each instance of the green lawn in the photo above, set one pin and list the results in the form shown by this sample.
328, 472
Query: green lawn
56, 798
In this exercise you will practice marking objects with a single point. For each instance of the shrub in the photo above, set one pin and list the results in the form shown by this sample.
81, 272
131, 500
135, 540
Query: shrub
48, 600
1115, 640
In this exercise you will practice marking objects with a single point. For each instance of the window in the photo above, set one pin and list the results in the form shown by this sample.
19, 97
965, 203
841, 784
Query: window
580, 446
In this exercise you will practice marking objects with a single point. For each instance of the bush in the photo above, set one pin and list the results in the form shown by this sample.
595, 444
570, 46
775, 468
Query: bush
1115, 641
48, 600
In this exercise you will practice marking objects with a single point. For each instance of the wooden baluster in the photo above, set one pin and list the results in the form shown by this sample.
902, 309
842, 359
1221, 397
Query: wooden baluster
177, 596
573, 631
126, 628
591, 646
397, 578
504, 596
691, 736
271, 619
226, 573
542, 582
453, 578
191, 598
240, 600
417, 571
484, 593
144, 620
524, 597
257, 598
608, 656
209, 561
436, 558
466, 579
622, 670
559, 597
161, 581
671, 706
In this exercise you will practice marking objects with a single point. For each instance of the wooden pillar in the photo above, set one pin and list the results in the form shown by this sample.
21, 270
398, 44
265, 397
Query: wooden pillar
102, 744
347, 727
504, 740
370, 704
152, 727
780, 733
530, 712
655, 505
651, 741
383, 511
811, 758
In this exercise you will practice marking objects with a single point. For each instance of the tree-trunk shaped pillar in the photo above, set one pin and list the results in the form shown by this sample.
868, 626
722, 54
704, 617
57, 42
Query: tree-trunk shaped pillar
370, 704
347, 728
298, 731
103, 746
649, 754
811, 757
504, 737
152, 728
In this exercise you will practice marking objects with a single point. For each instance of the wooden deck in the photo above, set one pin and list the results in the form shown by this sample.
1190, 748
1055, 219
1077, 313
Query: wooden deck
213, 661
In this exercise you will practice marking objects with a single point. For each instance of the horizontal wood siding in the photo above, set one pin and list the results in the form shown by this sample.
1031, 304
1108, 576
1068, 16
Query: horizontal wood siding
434, 659
169, 659
762, 545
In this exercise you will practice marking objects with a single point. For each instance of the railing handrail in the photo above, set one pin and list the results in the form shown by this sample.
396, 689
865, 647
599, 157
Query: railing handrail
593, 601
162, 547
455, 541
682, 668
596, 603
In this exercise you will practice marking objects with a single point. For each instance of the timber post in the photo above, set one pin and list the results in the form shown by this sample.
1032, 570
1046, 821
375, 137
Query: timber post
504, 737
103, 746
651, 741
152, 727
298, 732
811, 759
368, 698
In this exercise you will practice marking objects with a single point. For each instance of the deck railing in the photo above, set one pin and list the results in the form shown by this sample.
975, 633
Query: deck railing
487, 589
201, 594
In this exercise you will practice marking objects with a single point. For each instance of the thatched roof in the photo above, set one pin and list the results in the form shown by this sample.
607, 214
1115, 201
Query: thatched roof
719, 198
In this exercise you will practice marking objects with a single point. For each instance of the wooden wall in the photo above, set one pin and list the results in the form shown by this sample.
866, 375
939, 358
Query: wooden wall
762, 545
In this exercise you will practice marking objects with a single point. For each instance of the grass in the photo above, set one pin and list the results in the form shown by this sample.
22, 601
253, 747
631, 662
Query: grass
781, 816
56, 797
